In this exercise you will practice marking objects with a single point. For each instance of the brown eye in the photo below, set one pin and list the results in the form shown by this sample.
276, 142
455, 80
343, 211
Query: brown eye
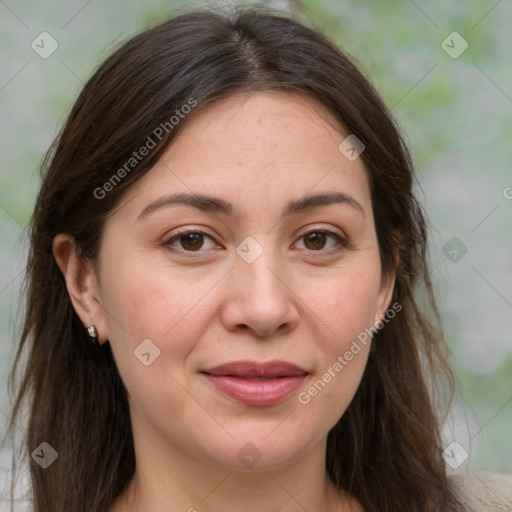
317, 240
190, 241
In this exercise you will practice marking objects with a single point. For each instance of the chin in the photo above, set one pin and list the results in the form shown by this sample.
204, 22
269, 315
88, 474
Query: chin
258, 449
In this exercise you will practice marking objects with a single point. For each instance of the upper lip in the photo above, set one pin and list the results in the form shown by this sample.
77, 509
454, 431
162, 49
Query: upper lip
251, 369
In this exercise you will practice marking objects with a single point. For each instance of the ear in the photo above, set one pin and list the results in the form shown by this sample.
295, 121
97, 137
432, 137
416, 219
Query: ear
387, 286
81, 283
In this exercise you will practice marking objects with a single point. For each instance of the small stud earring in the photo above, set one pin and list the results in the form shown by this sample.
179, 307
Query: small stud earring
93, 334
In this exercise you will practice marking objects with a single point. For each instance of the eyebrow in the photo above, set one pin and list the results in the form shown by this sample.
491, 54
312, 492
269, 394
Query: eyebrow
213, 204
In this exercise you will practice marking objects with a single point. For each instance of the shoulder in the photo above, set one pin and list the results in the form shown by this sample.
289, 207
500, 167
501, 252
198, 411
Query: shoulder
484, 491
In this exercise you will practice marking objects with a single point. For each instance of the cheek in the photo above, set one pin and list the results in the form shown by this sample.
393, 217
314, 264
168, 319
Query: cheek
153, 304
147, 301
346, 303
348, 310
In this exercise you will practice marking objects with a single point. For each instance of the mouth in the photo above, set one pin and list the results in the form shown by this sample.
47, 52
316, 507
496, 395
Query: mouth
256, 384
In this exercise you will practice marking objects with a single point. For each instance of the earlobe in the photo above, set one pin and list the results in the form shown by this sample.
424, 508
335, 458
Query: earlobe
81, 283
388, 286
386, 294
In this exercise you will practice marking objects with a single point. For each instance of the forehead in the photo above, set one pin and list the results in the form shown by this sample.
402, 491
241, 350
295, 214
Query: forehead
260, 149
268, 124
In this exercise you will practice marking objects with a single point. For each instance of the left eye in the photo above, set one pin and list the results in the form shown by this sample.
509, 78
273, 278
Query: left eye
318, 237
193, 241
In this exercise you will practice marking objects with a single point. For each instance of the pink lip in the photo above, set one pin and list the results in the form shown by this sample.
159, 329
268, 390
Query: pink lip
254, 383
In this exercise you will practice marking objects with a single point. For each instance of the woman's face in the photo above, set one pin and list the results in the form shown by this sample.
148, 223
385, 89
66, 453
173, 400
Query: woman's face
262, 277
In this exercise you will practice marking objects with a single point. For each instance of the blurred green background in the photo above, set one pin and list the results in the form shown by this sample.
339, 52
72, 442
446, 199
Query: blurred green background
455, 113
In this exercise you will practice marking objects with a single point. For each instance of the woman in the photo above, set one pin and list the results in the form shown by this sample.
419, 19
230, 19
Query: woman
220, 309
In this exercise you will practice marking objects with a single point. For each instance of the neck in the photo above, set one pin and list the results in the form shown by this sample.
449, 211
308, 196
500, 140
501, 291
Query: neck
167, 478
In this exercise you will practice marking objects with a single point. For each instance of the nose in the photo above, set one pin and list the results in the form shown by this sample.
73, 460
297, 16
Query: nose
260, 297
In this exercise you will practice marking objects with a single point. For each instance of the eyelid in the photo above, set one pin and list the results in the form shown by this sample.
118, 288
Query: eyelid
182, 232
343, 241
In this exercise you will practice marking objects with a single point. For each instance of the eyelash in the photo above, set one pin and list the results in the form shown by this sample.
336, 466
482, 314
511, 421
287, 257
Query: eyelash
343, 243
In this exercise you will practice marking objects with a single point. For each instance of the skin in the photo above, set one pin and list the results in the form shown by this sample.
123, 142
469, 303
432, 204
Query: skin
298, 301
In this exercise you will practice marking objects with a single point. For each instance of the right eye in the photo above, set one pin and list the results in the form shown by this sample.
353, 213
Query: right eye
191, 240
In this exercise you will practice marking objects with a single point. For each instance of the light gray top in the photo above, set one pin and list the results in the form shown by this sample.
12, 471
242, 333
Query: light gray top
485, 491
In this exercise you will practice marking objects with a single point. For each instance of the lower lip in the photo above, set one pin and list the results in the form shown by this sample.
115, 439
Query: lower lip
257, 392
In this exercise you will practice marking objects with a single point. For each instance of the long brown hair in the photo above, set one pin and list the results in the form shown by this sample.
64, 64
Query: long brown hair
386, 448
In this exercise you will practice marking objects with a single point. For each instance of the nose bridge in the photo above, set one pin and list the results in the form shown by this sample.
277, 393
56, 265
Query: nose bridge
258, 265
259, 296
